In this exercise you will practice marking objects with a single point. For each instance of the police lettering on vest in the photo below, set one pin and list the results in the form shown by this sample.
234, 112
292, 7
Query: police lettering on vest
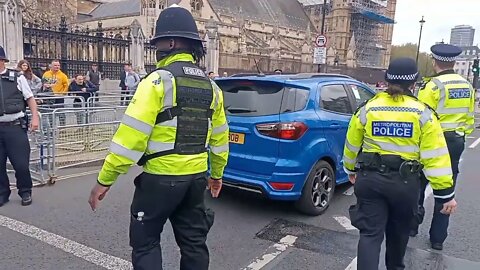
459, 93
392, 129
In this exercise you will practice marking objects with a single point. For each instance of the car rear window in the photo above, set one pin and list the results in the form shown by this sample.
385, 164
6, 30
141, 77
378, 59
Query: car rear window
247, 98
257, 98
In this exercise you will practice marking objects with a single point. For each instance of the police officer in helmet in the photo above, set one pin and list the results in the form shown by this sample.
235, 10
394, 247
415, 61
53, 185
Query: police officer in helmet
15, 94
173, 126
453, 98
391, 138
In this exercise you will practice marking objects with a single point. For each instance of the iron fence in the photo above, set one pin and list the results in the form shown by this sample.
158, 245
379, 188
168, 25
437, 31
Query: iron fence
78, 49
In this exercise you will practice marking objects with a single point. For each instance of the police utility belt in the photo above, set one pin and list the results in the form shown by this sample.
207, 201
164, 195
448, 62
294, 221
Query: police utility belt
385, 164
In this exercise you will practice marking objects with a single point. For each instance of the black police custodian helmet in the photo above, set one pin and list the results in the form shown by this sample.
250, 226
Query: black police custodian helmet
3, 56
176, 21
402, 70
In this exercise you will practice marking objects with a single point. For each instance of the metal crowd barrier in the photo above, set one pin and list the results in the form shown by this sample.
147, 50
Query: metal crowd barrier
74, 135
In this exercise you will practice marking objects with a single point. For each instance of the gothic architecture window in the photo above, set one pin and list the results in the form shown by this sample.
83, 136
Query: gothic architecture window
196, 5
152, 3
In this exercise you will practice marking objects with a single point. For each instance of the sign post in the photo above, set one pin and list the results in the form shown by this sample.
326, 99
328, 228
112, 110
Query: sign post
320, 51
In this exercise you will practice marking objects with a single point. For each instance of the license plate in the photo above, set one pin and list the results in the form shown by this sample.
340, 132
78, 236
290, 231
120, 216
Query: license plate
237, 138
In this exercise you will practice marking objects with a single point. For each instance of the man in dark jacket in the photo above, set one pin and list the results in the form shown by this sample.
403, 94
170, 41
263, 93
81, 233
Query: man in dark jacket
94, 76
83, 88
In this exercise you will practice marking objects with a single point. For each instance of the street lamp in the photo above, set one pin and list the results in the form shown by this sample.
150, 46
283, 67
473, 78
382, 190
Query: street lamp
422, 21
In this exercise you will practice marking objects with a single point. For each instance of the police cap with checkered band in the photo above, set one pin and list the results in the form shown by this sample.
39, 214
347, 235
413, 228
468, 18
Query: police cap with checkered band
402, 70
445, 52
176, 21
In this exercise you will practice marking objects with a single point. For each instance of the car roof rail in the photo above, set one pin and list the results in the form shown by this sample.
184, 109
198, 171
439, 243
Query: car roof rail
247, 74
301, 76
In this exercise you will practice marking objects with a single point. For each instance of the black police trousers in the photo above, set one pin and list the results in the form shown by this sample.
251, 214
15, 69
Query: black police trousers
179, 199
439, 227
386, 204
14, 145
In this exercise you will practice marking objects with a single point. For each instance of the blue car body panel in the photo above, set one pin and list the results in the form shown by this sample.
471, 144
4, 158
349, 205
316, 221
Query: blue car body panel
264, 159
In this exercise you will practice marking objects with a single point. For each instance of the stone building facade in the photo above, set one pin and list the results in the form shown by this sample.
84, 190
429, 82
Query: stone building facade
240, 35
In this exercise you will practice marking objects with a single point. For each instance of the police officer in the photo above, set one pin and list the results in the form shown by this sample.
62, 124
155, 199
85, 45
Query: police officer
173, 125
14, 93
453, 98
389, 140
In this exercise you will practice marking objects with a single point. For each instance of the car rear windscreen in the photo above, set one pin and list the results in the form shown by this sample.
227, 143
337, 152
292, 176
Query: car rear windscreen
258, 98
248, 98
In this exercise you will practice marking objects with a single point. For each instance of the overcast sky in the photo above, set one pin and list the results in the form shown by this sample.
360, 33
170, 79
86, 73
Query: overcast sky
440, 16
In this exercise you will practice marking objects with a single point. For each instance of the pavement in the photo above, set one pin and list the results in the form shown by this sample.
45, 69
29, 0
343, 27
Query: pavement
59, 231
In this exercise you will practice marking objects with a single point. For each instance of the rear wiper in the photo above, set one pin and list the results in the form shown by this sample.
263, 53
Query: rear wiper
240, 110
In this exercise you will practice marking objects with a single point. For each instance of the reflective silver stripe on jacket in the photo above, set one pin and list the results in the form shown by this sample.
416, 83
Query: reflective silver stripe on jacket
166, 78
169, 123
220, 129
437, 172
453, 110
217, 95
219, 149
154, 146
425, 116
123, 151
362, 116
434, 153
451, 125
349, 160
137, 124
351, 147
392, 147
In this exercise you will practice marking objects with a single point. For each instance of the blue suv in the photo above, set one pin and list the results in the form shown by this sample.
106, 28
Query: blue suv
287, 134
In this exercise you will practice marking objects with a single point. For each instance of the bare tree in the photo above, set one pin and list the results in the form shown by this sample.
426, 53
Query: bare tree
49, 11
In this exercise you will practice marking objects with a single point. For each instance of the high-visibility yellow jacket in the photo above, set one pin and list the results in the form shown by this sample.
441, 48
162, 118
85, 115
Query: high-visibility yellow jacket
405, 127
138, 133
453, 98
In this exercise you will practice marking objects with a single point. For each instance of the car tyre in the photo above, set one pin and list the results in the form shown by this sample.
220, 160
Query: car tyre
318, 190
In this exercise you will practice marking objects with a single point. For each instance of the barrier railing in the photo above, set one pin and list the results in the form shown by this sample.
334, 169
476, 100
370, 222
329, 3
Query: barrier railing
84, 143
74, 134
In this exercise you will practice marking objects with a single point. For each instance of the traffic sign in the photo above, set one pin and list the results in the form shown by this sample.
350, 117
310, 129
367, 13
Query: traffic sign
321, 41
320, 55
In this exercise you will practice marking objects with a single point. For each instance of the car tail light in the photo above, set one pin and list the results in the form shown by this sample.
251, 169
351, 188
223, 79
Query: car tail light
281, 186
284, 131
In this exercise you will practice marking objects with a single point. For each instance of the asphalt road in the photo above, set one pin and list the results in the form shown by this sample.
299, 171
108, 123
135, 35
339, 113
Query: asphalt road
248, 230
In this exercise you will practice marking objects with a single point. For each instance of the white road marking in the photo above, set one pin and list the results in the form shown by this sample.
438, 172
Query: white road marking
475, 143
345, 222
67, 245
352, 265
272, 252
349, 191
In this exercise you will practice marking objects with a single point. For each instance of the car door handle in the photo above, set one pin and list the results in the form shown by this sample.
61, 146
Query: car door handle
335, 126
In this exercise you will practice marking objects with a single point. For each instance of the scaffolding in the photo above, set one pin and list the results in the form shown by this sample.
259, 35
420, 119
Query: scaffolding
367, 17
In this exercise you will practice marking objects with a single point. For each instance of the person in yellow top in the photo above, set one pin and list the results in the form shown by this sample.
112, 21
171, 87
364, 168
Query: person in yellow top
173, 126
390, 139
453, 98
56, 82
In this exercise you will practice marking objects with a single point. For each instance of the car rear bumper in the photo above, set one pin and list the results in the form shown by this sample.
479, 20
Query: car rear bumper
260, 183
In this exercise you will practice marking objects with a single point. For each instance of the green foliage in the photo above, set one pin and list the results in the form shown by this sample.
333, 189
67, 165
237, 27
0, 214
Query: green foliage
425, 63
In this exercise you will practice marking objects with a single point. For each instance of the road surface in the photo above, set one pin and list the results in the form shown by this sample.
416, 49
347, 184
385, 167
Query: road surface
59, 231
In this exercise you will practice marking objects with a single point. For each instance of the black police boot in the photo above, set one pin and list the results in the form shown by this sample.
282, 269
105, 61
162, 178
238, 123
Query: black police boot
437, 246
26, 199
